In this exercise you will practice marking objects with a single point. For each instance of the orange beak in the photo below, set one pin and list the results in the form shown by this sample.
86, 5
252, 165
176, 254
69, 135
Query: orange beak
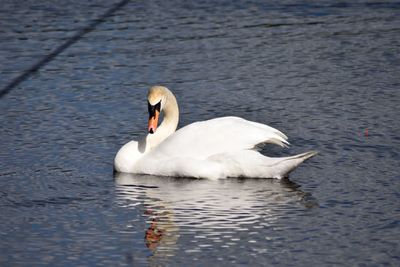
153, 122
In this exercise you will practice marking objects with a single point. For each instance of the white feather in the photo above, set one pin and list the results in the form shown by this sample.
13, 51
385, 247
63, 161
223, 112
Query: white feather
217, 148
204, 139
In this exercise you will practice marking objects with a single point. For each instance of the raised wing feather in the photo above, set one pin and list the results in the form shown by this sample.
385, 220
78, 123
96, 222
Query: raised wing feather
201, 140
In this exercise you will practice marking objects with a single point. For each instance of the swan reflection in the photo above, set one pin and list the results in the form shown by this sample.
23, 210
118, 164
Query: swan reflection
204, 209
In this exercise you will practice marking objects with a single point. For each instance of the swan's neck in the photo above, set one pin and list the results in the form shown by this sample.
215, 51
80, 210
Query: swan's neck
169, 123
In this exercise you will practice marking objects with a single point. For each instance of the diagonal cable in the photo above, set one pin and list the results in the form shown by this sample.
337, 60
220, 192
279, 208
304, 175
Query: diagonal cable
27, 73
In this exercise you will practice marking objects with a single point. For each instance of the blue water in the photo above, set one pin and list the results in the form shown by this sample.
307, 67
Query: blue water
326, 73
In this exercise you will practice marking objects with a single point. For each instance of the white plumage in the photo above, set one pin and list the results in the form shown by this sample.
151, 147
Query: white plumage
217, 148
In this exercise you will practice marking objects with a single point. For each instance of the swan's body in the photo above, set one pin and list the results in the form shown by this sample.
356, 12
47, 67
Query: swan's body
217, 148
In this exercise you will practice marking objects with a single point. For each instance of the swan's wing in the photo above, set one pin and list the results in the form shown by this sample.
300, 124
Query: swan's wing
201, 140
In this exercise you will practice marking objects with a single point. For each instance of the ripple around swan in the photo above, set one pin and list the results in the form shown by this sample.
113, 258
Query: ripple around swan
209, 212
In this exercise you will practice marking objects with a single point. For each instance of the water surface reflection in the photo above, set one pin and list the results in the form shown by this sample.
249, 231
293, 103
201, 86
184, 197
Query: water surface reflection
211, 213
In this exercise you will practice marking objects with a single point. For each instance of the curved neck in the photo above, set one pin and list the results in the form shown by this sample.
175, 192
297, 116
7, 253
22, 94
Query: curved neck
171, 113
169, 124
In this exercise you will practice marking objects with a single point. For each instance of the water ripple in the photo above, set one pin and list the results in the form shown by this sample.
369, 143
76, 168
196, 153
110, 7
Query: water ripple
206, 209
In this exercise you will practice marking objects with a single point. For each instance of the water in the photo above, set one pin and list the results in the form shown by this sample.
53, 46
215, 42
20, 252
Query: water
326, 73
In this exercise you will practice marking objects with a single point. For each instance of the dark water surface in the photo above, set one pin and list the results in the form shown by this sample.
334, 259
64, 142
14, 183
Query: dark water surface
326, 73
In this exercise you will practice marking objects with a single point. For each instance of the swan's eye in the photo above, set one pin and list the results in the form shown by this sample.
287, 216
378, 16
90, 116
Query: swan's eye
153, 108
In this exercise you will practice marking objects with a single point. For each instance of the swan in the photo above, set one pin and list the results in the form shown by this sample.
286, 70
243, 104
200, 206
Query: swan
214, 149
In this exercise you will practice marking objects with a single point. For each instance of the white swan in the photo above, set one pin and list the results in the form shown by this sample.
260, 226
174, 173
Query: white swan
217, 148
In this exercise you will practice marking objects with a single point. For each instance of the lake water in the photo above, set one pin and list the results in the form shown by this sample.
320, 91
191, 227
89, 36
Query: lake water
326, 73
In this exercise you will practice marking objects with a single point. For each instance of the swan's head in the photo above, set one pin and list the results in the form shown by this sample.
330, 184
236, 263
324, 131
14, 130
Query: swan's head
156, 99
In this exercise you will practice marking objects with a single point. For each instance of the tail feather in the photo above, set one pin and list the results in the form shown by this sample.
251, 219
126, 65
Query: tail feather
288, 164
304, 156
251, 163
